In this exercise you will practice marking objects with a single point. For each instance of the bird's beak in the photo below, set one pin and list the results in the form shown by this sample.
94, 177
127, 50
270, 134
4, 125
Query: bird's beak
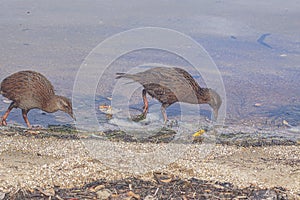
73, 116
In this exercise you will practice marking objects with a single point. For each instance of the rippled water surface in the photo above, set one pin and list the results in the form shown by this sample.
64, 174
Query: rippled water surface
256, 47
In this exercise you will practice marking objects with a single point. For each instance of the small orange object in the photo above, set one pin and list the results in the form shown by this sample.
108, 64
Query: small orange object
132, 194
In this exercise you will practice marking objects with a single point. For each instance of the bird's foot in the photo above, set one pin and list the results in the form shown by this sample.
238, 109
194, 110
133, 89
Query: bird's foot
139, 117
171, 123
3, 123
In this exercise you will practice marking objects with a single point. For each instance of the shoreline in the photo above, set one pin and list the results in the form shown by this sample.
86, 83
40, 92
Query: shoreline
27, 161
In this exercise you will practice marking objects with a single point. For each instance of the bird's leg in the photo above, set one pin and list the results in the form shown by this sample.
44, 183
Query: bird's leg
145, 108
168, 123
163, 111
146, 105
3, 121
24, 114
215, 117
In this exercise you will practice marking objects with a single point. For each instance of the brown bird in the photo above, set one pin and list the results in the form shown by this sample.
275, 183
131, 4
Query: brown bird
29, 90
170, 85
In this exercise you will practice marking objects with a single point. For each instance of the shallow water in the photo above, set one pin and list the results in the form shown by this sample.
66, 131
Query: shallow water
256, 47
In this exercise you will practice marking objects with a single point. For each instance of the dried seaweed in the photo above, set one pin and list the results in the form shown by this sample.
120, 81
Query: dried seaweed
135, 188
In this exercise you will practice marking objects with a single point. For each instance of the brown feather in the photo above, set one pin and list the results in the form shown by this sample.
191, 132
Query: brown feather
29, 90
170, 85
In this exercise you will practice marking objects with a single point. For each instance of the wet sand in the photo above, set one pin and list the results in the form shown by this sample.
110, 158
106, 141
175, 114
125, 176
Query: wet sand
255, 69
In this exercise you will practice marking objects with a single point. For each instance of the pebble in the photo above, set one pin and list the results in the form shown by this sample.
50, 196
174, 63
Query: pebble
99, 187
264, 195
2, 195
132, 194
257, 104
33, 132
103, 194
150, 197
286, 123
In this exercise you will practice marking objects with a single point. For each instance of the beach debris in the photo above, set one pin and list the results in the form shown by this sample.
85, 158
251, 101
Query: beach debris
172, 123
161, 177
104, 194
199, 133
47, 192
138, 118
132, 194
99, 187
109, 98
257, 104
264, 194
2, 195
156, 191
107, 109
32, 132
178, 188
286, 123
150, 197
283, 55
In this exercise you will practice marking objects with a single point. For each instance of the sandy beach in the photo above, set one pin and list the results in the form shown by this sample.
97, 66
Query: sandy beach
30, 161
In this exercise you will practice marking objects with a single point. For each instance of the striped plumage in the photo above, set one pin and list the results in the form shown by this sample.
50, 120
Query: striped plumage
170, 85
29, 90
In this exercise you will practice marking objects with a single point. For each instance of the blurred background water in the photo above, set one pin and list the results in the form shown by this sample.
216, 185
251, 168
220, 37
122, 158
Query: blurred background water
255, 45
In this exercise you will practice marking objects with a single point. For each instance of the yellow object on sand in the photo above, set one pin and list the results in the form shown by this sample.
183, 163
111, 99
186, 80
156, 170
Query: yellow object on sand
199, 133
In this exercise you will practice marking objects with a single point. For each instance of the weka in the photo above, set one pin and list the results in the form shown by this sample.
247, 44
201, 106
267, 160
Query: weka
170, 85
29, 90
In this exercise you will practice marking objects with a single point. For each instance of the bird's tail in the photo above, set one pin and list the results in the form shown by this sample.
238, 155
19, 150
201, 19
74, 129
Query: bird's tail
124, 75
120, 75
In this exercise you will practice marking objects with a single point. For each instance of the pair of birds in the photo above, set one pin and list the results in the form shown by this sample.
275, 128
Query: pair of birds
29, 90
